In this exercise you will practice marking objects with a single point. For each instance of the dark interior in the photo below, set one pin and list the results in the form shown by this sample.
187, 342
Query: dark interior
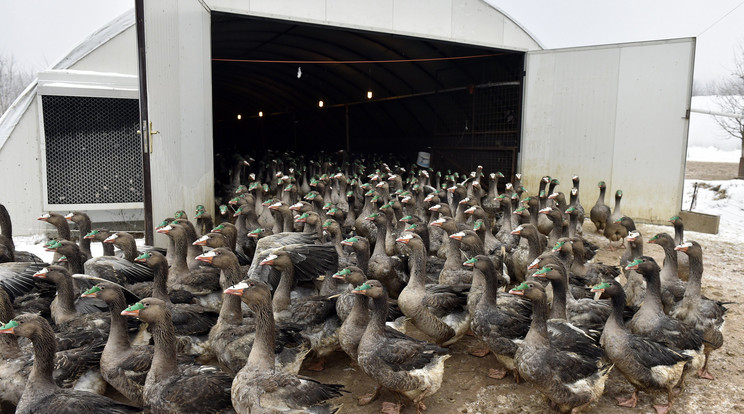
461, 103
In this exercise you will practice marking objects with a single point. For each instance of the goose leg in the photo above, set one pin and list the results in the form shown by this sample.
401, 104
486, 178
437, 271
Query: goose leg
703, 372
628, 402
480, 352
498, 374
368, 398
665, 408
391, 408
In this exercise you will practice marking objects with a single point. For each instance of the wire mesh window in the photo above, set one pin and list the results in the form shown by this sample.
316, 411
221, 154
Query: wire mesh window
484, 132
93, 151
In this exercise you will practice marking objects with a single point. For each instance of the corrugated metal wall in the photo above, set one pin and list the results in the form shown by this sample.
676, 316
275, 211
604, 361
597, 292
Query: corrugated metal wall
614, 113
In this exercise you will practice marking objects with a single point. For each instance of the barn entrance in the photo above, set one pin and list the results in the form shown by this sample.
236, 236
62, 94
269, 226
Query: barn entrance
380, 93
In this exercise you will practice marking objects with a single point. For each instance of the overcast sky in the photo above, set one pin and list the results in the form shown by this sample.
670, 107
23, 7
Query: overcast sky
40, 32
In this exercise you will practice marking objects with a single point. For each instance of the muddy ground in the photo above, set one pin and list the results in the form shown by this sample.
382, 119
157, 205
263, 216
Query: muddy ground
467, 389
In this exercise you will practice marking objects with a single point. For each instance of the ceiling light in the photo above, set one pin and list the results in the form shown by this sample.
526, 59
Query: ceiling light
320, 103
369, 94
240, 116
260, 114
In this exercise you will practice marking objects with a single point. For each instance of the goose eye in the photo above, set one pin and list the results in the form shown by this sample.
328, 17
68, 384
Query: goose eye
146, 304
102, 287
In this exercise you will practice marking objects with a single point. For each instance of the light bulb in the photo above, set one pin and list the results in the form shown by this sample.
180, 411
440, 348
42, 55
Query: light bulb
369, 94
260, 114
320, 103
240, 117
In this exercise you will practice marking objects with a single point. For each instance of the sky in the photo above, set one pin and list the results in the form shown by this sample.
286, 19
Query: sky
40, 32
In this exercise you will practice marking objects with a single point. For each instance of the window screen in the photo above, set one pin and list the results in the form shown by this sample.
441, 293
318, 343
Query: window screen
93, 151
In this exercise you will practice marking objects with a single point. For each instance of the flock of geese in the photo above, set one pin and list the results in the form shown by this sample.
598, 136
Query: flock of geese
304, 258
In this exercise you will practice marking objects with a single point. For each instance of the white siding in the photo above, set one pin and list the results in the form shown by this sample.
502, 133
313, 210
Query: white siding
21, 187
118, 55
20, 154
613, 113
179, 81
465, 21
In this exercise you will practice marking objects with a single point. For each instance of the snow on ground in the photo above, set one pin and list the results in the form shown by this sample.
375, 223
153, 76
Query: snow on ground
723, 198
712, 154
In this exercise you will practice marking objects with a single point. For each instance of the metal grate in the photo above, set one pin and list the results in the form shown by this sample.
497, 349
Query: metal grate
485, 132
93, 151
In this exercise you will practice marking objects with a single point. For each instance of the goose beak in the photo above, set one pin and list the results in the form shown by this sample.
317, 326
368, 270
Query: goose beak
110, 239
233, 291
134, 313
8, 328
206, 257
534, 264
681, 248
41, 274
201, 242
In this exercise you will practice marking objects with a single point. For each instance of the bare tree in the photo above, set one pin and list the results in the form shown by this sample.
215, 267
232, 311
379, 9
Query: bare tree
731, 102
13, 80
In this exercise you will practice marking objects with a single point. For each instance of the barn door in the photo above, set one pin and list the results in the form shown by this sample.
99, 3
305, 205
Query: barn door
615, 113
179, 103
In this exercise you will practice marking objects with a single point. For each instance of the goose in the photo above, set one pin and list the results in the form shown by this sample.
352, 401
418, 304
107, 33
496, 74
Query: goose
570, 380
100, 235
600, 212
69, 364
172, 388
315, 315
41, 394
683, 261
650, 320
232, 337
395, 361
645, 363
698, 312
84, 226
437, 310
123, 366
8, 253
381, 266
188, 319
500, 320
258, 386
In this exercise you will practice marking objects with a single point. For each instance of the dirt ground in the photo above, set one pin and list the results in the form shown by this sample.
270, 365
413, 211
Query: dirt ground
467, 389
711, 170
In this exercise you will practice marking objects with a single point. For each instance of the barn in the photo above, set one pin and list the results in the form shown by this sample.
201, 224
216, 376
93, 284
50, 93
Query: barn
128, 126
